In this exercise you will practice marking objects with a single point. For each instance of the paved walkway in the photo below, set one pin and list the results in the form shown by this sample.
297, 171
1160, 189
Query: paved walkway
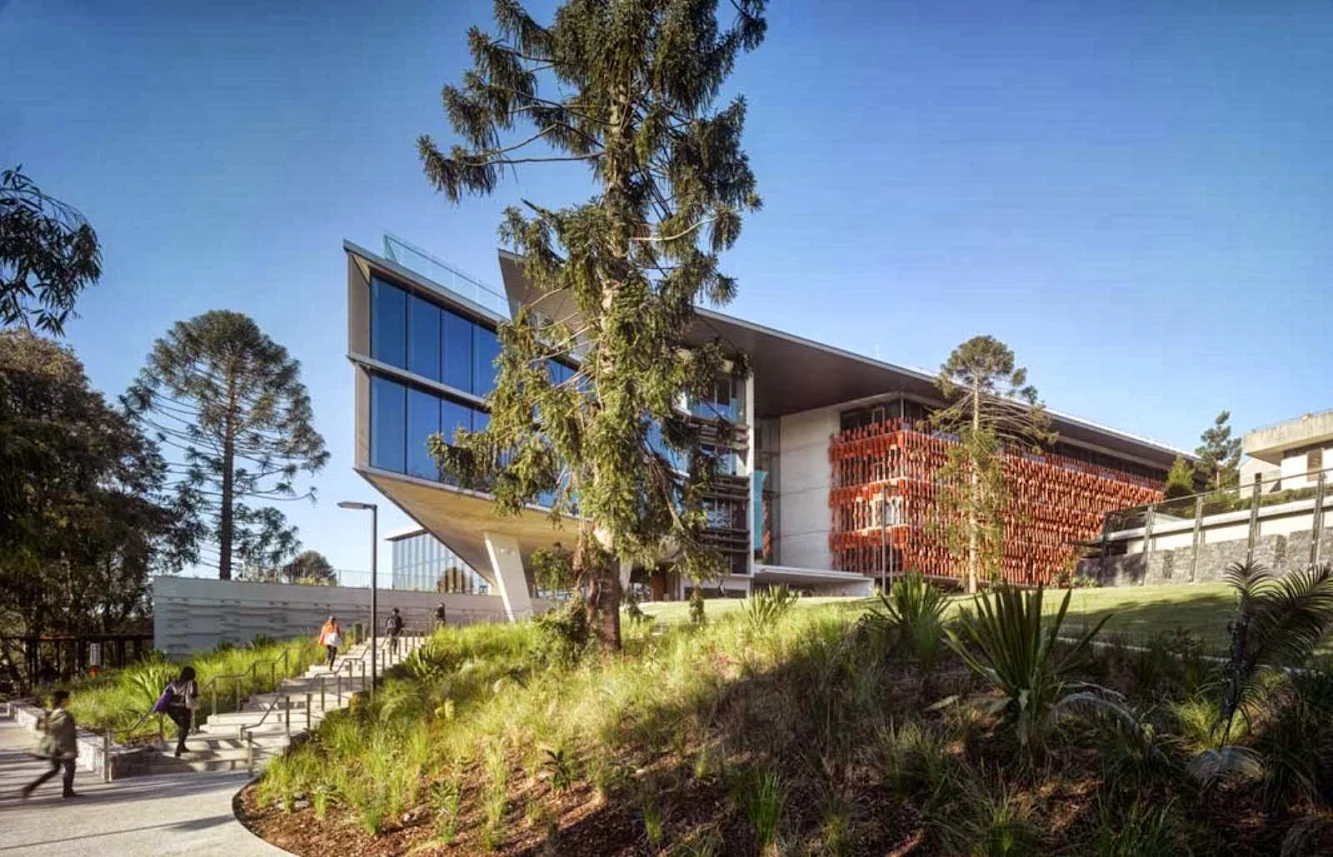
177, 814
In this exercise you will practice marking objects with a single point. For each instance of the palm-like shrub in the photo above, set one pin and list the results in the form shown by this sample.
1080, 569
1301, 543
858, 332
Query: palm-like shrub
1279, 621
1009, 642
764, 608
912, 615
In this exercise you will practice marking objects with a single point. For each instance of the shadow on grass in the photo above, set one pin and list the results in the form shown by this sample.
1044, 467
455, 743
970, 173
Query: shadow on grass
1137, 619
698, 764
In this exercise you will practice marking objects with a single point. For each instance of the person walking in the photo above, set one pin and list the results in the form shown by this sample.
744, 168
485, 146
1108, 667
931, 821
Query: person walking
439, 616
331, 637
181, 697
58, 746
393, 626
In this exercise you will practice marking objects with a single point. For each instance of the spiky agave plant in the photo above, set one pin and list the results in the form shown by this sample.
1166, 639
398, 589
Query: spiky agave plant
1009, 642
1280, 619
913, 615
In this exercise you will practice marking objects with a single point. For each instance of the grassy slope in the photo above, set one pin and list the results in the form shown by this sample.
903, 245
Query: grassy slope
1138, 612
675, 744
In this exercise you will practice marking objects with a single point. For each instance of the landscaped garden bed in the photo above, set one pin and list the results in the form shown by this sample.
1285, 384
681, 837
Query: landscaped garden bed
817, 730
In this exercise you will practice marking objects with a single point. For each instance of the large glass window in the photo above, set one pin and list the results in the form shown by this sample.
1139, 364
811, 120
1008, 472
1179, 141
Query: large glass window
455, 416
486, 348
423, 338
423, 420
388, 323
388, 423
457, 333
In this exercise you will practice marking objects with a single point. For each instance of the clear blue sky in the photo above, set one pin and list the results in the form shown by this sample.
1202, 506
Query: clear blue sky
1138, 201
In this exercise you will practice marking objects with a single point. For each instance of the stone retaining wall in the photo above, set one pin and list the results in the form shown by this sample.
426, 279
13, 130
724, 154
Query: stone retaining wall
1279, 552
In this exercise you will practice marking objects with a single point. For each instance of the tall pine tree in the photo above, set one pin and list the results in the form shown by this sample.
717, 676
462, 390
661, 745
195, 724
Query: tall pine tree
229, 402
1180, 481
1218, 462
991, 408
625, 89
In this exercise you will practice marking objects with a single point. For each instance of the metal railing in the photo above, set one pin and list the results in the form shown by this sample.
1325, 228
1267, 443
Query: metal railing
1236, 513
211, 687
388, 656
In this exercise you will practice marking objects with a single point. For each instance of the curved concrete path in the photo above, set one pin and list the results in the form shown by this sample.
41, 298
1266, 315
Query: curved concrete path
178, 814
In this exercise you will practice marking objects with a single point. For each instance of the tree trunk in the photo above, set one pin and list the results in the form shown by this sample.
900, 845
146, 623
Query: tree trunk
607, 621
225, 517
974, 499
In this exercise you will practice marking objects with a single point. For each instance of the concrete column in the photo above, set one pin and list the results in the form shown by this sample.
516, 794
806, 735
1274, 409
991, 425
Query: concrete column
626, 569
510, 581
751, 442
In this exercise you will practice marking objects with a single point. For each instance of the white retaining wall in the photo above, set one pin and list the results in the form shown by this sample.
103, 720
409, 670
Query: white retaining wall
192, 614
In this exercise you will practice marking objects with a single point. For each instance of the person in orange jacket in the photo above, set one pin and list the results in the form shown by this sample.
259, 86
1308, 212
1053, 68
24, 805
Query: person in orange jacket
331, 637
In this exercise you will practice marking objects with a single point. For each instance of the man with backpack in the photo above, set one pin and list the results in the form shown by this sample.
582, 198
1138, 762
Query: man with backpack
58, 745
393, 626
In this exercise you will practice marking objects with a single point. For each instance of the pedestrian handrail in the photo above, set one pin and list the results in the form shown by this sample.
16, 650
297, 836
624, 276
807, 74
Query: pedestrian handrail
210, 687
388, 655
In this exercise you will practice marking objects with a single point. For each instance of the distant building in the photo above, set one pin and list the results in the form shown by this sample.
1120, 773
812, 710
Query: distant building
1291, 454
422, 563
1274, 516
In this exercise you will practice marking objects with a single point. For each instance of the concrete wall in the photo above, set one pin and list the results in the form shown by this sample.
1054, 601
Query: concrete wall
195, 614
1295, 468
803, 491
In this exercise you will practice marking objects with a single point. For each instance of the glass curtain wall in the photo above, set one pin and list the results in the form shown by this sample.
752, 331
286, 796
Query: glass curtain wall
409, 332
422, 563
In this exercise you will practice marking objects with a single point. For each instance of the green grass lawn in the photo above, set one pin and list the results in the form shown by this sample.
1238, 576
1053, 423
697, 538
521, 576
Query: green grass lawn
1137, 612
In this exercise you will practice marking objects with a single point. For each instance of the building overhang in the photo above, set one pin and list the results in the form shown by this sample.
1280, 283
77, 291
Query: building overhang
461, 519
793, 375
805, 576
1271, 443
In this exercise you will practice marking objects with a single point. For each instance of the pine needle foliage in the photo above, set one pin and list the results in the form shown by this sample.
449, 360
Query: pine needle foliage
991, 408
627, 90
229, 404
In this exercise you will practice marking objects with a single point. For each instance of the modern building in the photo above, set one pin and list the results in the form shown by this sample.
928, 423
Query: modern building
423, 563
1291, 454
830, 486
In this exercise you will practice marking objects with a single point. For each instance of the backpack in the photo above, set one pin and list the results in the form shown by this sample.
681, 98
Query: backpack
395, 623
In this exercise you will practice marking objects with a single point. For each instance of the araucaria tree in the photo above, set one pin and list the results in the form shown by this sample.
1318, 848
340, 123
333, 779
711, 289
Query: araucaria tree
625, 89
1219, 455
230, 402
48, 255
991, 408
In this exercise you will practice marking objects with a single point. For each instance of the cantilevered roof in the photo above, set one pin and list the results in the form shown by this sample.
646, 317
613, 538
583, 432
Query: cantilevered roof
793, 374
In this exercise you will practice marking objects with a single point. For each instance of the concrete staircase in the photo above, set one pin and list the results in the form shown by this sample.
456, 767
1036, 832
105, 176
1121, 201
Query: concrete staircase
268, 723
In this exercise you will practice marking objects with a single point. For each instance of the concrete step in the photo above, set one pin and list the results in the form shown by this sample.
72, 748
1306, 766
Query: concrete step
231, 740
230, 760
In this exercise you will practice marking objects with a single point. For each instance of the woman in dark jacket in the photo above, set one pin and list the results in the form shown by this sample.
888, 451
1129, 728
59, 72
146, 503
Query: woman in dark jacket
183, 700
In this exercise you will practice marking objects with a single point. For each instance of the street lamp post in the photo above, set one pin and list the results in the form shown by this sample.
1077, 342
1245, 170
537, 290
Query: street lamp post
374, 578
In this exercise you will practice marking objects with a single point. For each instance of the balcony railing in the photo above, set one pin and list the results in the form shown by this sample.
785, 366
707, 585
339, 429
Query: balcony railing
441, 273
